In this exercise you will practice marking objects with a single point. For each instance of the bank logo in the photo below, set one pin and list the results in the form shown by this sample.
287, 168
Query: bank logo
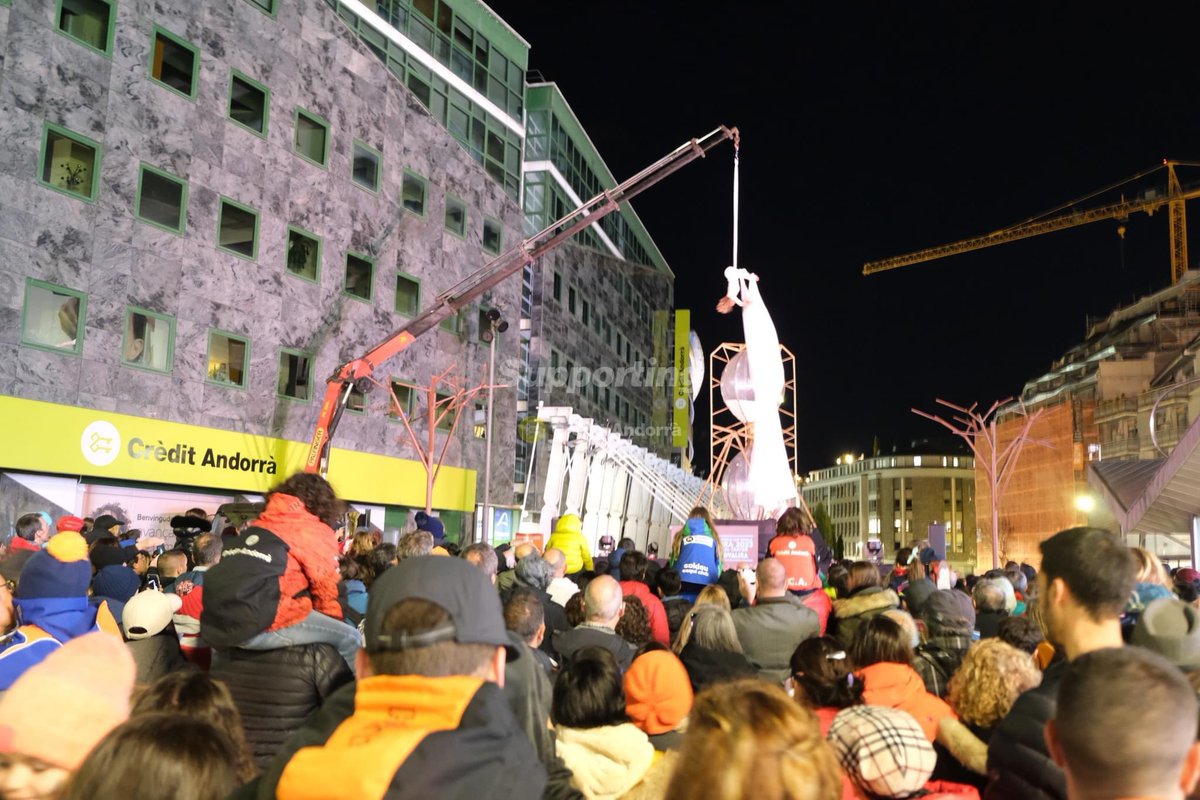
100, 443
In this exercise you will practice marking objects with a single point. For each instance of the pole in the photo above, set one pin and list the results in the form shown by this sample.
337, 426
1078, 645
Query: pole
487, 444
995, 501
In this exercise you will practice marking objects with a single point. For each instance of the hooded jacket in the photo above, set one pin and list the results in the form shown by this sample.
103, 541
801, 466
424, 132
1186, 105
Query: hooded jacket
850, 612
46, 623
568, 537
607, 762
310, 580
407, 736
899, 686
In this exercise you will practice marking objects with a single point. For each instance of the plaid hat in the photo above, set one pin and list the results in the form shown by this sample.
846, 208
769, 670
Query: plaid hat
883, 750
1171, 628
457, 586
106, 521
658, 694
948, 610
60, 709
70, 523
60, 570
149, 612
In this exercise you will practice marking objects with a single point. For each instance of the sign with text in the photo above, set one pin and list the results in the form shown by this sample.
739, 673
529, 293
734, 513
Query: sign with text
740, 543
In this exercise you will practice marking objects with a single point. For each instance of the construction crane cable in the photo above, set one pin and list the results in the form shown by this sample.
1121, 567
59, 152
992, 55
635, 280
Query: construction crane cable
736, 152
1089, 196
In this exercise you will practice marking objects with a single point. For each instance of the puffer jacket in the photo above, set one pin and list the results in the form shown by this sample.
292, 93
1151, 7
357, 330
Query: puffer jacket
608, 761
1018, 763
568, 537
851, 612
158, 655
311, 578
276, 690
899, 686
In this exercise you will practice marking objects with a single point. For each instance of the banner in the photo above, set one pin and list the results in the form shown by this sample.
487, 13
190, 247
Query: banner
682, 395
47, 437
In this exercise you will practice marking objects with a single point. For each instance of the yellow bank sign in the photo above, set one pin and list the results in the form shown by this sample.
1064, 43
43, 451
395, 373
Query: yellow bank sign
47, 437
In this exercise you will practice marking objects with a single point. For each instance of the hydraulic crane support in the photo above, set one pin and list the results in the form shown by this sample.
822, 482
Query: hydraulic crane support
450, 302
1174, 197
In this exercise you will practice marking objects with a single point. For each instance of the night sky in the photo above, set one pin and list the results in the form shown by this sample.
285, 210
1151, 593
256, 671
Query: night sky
870, 130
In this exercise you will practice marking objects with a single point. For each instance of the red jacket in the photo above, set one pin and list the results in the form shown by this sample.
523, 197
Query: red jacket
312, 561
819, 602
659, 628
899, 686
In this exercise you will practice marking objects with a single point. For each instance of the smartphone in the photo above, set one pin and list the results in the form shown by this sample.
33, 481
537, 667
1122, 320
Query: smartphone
749, 575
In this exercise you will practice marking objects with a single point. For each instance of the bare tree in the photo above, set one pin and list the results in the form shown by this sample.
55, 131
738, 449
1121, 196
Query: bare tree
978, 430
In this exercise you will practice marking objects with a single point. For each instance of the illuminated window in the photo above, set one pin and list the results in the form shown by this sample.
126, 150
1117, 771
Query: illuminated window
303, 254
88, 21
228, 359
53, 317
311, 140
174, 63
70, 163
149, 340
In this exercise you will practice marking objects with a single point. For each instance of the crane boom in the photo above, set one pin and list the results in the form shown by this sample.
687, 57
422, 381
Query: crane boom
462, 294
1175, 197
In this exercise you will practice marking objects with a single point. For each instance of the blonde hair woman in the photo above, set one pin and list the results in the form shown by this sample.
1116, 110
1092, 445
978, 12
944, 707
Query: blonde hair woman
709, 595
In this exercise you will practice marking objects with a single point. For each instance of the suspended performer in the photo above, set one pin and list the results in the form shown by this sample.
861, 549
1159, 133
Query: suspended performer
697, 554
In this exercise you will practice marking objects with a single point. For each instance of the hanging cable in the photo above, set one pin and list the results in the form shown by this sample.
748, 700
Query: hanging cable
736, 149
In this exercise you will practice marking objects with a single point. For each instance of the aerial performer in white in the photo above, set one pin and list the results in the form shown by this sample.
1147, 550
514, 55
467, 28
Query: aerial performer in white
770, 472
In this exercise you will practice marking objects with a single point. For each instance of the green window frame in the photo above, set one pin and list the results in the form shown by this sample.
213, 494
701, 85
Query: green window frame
447, 419
213, 367
299, 361
356, 403
310, 140
64, 160
405, 395
571, 299
227, 212
492, 238
268, 7
557, 289
414, 193
42, 299
243, 89
453, 324
74, 19
166, 51
366, 166
455, 217
156, 332
303, 258
157, 212
408, 289
356, 261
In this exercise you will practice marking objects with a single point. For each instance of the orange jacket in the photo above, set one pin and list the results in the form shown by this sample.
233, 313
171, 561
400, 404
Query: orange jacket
311, 578
899, 686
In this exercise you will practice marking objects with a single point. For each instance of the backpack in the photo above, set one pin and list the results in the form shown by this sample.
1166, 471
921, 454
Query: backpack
241, 591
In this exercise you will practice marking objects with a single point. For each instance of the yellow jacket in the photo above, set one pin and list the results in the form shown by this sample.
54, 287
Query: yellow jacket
568, 537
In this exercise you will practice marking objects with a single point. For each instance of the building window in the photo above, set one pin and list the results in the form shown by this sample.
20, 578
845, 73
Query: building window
266, 6
88, 21
360, 277
237, 229
404, 395
248, 103
587, 312
311, 141
174, 63
571, 299
553, 359
453, 324
408, 295
479, 426
365, 166
294, 375
412, 193
149, 341
558, 287
53, 317
493, 236
70, 163
456, 216
228, 358
161, 199
357, 401
303, 254
444, 413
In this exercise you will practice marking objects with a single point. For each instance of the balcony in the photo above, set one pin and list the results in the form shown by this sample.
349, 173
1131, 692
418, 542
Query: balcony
1115, 407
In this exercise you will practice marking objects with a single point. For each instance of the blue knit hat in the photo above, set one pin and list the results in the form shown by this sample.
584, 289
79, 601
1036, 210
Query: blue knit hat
431, 524
117, 582
62, 569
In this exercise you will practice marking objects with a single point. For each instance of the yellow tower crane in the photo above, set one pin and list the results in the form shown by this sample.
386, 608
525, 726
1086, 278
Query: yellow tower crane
1149, 201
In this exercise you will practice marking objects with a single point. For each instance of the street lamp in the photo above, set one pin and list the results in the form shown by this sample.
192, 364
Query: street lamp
495, 326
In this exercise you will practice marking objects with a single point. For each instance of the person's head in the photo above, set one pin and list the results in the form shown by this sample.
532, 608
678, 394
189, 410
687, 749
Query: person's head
993, 674
557, 560
412, 545
61, 569
658, 694
709, 595
903, 556
948, 613
701, 513
533, 571
382, 558
1125, 727
206, 549
32, 528
988, 596
1149, 568
1022, 633
712, 629
791, 522
626, 544
634, 624
772, 578
434, 616
159, 755
821, 674
363, 542
603, 601
172, 564
315, 493
633, 566
116, 582
524, 549
140, 562
1186, 584
195, 695
749, 739
483, 557
669, 583
906, 623
839, 579
107, 523
880, 639
150, 613
862, 574
1087, 577
1018, 580
524, 615
588, 692
574, 610
883, 750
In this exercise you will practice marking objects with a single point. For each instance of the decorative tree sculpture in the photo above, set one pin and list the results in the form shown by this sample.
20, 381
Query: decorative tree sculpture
978, 430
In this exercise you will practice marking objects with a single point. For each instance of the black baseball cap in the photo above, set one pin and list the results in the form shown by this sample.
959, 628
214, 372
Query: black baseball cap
106, 521
455, 585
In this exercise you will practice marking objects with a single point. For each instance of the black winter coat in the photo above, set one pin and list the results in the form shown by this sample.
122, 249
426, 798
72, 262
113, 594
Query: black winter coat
158, 655
1018, 764
277, 690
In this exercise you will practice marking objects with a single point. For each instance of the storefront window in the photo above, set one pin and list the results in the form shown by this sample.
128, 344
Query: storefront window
53, 317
